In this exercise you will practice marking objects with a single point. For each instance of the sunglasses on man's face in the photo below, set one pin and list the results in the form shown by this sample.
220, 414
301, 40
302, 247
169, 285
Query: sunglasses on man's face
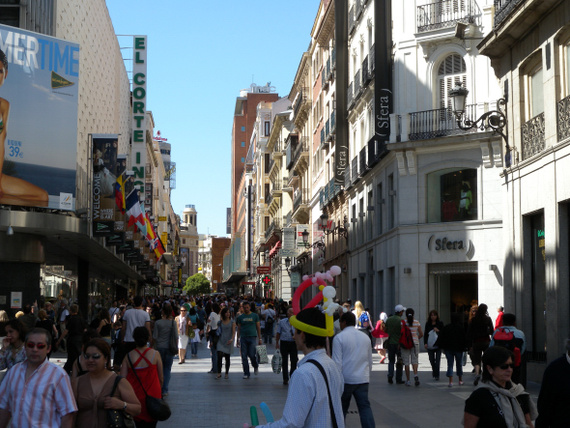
506, 366
91, 356
33, 345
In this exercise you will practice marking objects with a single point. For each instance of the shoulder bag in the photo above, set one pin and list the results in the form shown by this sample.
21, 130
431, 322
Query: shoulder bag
173, 343
118, 418
157, 408
322, 370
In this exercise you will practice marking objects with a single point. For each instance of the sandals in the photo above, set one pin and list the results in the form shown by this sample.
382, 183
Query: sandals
218, 376
226, 376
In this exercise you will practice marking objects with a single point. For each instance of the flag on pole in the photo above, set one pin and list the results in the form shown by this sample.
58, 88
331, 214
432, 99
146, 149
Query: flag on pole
134, 212
120, 194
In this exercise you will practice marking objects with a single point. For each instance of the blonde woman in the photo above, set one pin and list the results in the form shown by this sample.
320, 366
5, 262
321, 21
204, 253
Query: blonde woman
363, 320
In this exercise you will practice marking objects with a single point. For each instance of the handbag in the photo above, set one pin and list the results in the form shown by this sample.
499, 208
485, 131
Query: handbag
173, 343
157, 408
432, 339
118, 418
261, 351
276, 362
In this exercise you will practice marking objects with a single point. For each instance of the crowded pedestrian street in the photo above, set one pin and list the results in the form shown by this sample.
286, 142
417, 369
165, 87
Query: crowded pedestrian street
199, 400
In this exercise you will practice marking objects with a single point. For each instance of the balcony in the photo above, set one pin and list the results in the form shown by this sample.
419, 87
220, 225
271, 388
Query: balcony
358, 4
329, 69
300, 199
301, 152
290, 145
425, 125
333, 60
354, 167
563, 112
347, 179
362, 166
503, 8
357, 84
300, 100
324, 80
366, 75
446, 14
351, 20
532, 136
323, 137
333, 123
327, 129
376, 151
273, 227
328, 193
372, 60
349, 96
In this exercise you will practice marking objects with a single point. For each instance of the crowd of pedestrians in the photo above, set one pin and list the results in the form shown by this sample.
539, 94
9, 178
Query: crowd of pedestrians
126, 354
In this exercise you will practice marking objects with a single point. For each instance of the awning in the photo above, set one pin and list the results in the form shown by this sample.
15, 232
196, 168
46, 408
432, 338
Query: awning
274, 250
168, 258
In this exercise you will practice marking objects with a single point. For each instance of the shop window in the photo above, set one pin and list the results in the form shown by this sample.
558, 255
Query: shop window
452, 195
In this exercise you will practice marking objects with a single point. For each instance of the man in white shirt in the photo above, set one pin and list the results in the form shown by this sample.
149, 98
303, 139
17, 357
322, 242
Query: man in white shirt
351, 352
133, 318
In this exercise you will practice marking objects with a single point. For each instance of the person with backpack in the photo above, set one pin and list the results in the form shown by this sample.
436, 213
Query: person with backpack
268, 315
510, 337
363, 321
410, 355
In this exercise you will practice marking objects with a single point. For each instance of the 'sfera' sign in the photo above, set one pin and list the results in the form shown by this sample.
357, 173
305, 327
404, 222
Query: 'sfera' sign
138, 151
445, 244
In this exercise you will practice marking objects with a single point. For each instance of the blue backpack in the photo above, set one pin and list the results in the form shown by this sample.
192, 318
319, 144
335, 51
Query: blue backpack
364, 320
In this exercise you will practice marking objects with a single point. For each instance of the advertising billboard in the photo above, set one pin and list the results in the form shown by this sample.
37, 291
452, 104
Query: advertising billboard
39, 78
106, 169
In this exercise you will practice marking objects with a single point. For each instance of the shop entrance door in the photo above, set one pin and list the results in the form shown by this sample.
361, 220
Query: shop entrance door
452, 288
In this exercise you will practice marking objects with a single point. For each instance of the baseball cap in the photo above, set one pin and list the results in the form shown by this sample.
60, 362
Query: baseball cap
399, 308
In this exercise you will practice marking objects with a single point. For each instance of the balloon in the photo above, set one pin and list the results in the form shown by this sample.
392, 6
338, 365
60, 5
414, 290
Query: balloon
335, 270
297, 296
266, 412
253, 414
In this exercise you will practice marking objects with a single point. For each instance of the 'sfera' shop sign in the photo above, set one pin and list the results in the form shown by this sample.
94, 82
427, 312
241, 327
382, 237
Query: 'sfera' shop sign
446, 244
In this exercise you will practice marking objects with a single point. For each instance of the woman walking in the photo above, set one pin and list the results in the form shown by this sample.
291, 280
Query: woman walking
225, 345
93, 390
213, 321
363, 320
411, 355
13, 351
452, 341
479, 337
381, 336
431, 331
143, 369
182, 323
163, 330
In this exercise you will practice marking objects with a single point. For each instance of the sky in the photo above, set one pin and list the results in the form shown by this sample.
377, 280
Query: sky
200, 55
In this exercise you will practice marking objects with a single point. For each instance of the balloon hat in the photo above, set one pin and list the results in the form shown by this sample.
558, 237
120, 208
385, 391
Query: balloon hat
326, 294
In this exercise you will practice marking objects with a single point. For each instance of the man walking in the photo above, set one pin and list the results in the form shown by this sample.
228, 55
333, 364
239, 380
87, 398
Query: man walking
133, 318
248, 332
314, 395
393, 328
35, 392
285, 342
352, 354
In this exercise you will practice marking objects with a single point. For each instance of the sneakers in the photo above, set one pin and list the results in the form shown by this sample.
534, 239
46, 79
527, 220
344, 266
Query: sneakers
256, 371
476, 381
460, 382
450, 384
245, 376
416, 381
408, 383
390, 381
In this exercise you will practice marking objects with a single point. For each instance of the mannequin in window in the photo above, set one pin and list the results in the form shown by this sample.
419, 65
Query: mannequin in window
465, 201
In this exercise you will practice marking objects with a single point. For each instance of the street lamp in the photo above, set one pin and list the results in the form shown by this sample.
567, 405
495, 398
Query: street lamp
288, 264
341, 230
495, 120
319, 245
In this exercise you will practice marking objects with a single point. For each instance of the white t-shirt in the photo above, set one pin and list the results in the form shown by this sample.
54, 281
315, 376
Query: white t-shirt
213, 320
134, 318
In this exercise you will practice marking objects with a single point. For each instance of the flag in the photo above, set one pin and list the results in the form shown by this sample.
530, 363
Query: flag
158, 248
150, 234
134, 212
120, 193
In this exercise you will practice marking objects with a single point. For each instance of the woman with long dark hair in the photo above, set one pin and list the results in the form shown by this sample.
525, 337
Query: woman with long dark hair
479, 337
431, 331
411, 355
225, 344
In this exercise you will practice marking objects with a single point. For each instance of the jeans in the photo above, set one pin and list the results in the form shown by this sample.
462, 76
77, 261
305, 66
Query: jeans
247, 349
458, 357
194, 347
435, 361
268, 333
393, 353
360, 393
167, 359
214, 351
288, 350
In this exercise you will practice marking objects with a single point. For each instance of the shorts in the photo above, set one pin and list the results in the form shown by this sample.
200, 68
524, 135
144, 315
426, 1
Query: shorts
410, 356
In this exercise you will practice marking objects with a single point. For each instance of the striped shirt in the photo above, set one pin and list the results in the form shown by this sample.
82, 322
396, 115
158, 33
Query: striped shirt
414, 330
42, 400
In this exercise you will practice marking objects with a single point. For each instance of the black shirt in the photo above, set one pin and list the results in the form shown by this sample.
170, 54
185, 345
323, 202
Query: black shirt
482, 404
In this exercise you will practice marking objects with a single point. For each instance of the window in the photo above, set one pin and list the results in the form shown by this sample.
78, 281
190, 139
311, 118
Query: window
379, 208
536, 93
243, 129
242, 160
266, 128
392, 201
451, 72
452, 195
243, 143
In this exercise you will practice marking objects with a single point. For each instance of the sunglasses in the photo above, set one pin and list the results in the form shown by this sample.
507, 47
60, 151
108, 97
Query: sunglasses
32, 345
506, 366
91, 356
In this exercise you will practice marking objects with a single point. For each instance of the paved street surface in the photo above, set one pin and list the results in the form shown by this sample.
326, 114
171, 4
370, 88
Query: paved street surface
198, 400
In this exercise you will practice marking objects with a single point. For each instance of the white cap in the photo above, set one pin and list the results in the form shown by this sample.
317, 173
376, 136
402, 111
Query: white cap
384, 316
399, 308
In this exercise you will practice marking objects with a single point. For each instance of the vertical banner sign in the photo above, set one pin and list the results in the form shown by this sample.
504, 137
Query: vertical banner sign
383, 97
341, 157
105, 168
228, 221
39, 78
288, 238
138, 140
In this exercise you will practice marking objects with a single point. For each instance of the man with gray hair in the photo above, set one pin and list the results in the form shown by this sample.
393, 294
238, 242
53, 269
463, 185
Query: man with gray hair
554, 397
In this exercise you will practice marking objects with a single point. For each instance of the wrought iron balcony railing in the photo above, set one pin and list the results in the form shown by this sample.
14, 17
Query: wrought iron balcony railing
428, 124
301, 197
447, 13
349, 96
532, 133
351, 20
503, 9
362, 166
563, 112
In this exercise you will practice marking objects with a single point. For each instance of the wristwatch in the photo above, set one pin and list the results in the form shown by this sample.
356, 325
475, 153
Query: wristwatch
124, 405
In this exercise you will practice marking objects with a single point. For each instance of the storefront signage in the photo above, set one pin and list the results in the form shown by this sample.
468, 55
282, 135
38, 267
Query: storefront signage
138, 152
445, 243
